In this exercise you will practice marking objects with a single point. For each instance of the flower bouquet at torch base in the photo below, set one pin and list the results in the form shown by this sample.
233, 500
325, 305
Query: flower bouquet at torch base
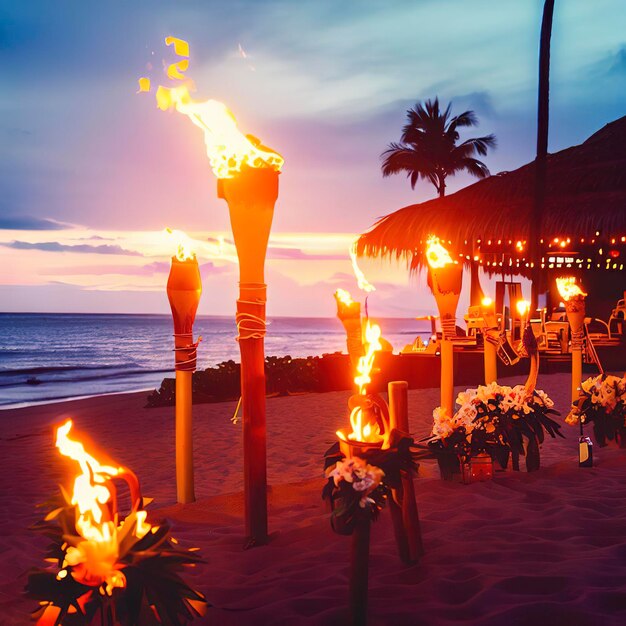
501, 421
107, 569
602, 402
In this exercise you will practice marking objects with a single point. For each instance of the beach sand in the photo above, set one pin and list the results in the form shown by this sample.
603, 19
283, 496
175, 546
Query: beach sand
541, 548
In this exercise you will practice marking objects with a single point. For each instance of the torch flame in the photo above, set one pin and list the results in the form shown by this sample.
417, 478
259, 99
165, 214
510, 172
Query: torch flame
344, 297
568, 288
362, 281
360, 431
227, 147
364, 367
183, 245
436, 254
522, 307
94, 556
486, 301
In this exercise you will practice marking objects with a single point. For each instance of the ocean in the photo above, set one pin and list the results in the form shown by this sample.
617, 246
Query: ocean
53, 357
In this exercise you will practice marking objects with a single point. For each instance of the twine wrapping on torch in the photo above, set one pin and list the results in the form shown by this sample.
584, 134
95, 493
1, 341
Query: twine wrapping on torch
186, 354
578, 337
249, 325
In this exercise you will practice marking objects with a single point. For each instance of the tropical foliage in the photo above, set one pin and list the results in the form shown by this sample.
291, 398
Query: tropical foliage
602, 402
506, 422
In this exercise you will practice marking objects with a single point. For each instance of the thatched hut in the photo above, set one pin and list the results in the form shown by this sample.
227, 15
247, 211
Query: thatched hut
487, 224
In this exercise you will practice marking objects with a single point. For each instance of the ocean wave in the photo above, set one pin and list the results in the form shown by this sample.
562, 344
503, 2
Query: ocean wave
78, 379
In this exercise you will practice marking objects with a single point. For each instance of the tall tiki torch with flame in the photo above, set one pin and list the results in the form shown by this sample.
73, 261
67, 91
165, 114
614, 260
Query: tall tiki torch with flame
445, 279
247, 174
574, 300
184, 288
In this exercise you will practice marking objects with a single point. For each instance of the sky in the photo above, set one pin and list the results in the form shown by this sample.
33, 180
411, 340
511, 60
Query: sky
92, 172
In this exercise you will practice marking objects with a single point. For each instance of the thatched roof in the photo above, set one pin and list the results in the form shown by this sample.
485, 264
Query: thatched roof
586, 194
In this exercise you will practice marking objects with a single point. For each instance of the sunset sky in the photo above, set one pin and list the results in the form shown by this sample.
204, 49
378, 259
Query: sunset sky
91, 172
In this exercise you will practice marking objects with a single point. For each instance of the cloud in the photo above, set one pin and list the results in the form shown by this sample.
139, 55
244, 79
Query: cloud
28, 222
157, 267
618, 62
55, 246
210, 269
296, 254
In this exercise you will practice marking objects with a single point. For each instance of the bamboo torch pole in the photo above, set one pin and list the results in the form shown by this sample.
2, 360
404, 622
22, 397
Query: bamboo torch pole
251, 195
445, 279
490, 340
184, 287
359, 570
399, 418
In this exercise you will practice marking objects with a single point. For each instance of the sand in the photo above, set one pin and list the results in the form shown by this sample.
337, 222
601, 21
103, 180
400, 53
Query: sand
541, 548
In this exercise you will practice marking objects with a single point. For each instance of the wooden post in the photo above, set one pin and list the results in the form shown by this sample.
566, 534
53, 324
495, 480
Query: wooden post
184, 439
577, 369
251, 195
359, 570
490, 361
399, 418
447, 376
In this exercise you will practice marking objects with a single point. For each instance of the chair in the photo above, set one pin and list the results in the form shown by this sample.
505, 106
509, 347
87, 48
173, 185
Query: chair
538, 325
557, 334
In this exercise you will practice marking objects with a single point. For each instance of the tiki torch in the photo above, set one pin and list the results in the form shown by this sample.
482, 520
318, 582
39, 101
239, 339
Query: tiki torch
445, 278
491, 336
247, 174
184, 288
251, 194
574, 299
349, 312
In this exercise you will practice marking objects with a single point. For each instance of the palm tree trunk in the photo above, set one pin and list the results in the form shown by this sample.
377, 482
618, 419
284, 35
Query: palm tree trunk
542, 150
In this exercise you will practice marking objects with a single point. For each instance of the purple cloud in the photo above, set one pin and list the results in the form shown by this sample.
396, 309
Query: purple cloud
55, 246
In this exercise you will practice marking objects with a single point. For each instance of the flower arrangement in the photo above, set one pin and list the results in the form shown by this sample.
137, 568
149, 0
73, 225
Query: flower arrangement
500, 420
602, 401
354, 488
360, 486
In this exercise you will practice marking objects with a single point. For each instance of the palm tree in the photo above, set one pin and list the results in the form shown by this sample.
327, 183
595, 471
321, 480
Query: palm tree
428, 147
543, 110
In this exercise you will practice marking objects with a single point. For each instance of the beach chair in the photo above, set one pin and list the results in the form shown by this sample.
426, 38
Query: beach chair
515, 296
557, 335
